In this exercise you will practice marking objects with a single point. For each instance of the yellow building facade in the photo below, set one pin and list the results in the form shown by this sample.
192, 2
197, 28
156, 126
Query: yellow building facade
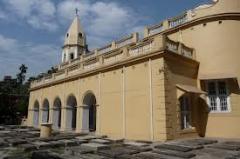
180, 80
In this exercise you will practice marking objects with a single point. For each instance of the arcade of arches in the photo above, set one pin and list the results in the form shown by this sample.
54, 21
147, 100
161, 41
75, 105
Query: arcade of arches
54, 113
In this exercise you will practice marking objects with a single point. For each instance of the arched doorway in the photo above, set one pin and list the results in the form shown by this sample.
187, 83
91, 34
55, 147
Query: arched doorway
71, 113
89, 112
45, 111
57, 113
36, 114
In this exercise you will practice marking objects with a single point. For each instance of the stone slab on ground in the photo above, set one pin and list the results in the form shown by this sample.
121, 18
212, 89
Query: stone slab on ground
79, 141
174, 147
225, 146
211, 153
174, 153
77, 150
114, 140
69, 142
93, 156
28, 147
15, 142
140, 148
95, 146
56, 144
21, 130
127, 157
152, 155
41, 144
87, 137
44, 155
100, 141
3, 143
201, 141
133, 143
117, 151
4, 132
237, 143
35, 133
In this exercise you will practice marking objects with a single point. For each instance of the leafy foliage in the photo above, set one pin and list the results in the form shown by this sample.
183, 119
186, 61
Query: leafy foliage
14, 96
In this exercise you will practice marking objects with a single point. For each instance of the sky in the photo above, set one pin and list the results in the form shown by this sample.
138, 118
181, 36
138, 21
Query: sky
32, 31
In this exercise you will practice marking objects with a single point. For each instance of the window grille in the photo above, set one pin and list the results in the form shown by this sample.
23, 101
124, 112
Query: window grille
218, 97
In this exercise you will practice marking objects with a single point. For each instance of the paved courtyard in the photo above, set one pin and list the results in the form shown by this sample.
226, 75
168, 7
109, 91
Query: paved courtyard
19, 142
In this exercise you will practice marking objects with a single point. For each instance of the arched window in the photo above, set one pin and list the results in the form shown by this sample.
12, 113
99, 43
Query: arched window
71, 114
57, 113
36, 114
45, 111
90, 112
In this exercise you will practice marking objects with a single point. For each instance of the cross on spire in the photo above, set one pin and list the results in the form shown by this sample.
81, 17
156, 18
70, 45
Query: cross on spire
76, 10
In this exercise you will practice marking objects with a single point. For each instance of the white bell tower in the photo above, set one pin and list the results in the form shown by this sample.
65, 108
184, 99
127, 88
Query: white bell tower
75, 41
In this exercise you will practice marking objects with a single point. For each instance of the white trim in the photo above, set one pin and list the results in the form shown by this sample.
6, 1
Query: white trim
151, 100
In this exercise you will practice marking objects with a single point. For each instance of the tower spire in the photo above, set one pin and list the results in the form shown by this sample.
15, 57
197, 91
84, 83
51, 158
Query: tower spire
75, 40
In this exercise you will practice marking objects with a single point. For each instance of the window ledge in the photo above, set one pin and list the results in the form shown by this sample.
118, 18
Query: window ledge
188, 130
219, 112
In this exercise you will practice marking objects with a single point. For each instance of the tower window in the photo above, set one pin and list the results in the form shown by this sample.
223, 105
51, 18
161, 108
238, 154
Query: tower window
80, 35
64, 57
67, 34
71, 56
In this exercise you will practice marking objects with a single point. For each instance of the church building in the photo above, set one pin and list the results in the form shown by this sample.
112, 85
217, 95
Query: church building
180, 80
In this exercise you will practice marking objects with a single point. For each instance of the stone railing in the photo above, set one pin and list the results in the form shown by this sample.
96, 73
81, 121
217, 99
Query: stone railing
180, 49
173, 22
105, 49
155, 29
126, 41
90, 62
141, 49
167, 24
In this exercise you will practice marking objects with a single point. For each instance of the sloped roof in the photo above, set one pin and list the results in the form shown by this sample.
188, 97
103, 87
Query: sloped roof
72, 35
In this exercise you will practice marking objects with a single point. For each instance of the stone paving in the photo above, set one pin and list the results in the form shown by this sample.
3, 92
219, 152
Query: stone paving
19, 142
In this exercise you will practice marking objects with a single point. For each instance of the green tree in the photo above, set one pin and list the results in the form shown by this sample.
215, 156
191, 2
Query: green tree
22, 74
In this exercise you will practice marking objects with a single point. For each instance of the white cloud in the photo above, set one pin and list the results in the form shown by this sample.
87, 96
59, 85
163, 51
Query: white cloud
7, 44
40, 14
66, 9
38, 57
102, 21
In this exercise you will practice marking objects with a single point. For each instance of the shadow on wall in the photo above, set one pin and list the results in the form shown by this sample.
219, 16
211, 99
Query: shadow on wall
203, 110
